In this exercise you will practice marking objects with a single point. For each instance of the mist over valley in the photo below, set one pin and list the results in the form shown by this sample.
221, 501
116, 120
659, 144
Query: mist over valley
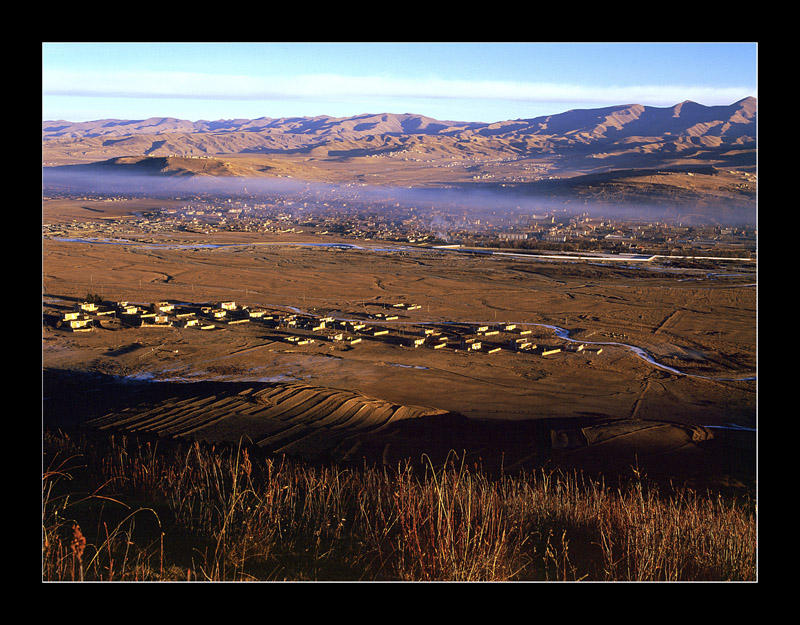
632, 162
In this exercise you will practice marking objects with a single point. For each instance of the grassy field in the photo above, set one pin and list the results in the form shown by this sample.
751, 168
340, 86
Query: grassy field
122, 508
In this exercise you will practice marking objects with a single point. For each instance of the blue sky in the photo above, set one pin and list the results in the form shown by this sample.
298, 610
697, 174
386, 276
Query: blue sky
469, 81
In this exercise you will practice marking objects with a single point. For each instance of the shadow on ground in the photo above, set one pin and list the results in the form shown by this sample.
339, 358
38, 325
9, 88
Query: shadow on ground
593, 444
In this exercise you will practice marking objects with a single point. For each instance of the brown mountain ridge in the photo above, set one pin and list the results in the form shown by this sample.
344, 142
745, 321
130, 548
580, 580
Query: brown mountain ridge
684, 125
686, 154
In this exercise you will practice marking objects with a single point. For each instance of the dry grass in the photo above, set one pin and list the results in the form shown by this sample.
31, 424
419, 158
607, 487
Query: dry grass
196, 512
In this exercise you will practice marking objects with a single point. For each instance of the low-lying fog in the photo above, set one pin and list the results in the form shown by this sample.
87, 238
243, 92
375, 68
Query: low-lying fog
455, 201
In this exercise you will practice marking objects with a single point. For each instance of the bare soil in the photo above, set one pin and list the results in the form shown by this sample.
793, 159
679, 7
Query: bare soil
605, 411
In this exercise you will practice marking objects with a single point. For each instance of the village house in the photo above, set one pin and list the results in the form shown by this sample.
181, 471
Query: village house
238, 320
75, 321
547, 350
125, 308
185, 315
156, 320
520, 344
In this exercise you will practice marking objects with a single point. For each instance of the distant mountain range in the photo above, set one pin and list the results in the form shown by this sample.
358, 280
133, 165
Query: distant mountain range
703, 157
685, 128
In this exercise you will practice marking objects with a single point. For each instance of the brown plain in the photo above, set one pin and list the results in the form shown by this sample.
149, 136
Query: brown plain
620, 406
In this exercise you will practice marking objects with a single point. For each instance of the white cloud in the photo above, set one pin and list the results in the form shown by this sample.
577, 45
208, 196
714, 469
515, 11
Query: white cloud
147, 84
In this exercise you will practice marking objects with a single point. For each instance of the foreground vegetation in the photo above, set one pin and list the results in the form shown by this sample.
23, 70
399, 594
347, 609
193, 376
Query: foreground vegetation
127, 509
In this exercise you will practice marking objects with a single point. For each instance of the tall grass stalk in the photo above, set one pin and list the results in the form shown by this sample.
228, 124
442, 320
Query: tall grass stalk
229, 513
67, 553
450, 527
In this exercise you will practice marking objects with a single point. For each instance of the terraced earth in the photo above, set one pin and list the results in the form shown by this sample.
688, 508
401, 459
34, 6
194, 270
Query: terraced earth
283, 418
328, 425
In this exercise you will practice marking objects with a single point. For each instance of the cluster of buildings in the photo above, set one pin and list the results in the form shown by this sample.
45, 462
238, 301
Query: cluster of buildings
90, 315
302, 329
427, 221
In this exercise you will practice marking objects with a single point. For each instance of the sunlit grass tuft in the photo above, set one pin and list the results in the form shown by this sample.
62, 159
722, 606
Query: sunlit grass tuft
196, 512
